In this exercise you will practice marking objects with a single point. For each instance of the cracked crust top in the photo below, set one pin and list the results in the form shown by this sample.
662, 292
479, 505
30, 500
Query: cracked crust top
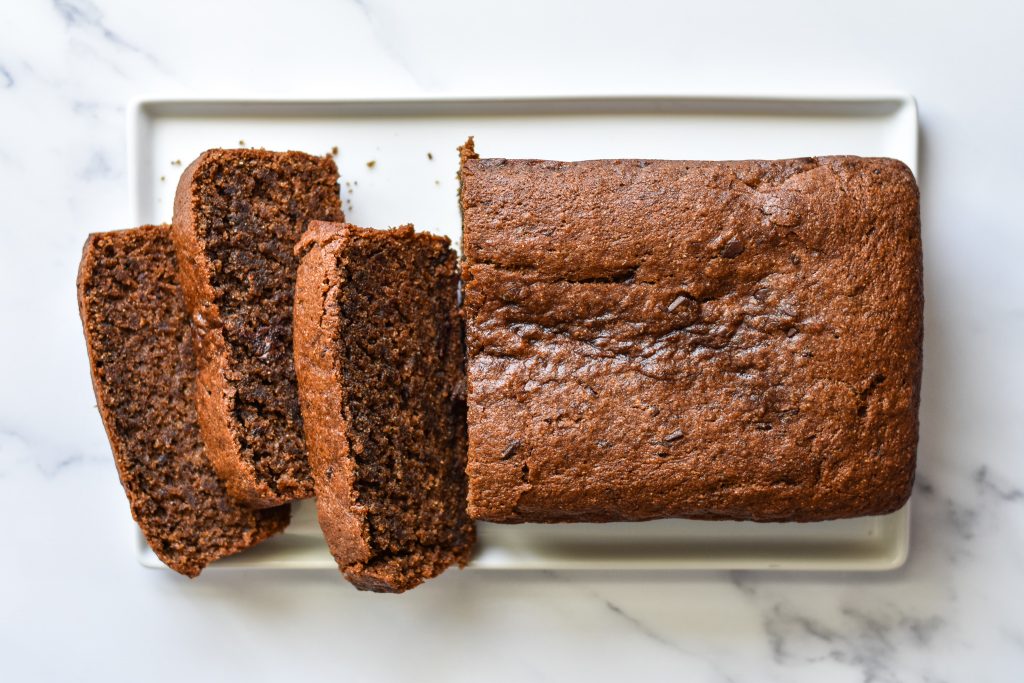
733, 340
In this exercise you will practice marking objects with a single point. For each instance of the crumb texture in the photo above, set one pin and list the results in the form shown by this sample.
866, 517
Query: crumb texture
238, 217
144, 374
387, 431
733, 340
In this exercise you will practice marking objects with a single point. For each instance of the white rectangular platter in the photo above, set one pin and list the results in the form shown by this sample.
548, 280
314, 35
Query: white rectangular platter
398, 160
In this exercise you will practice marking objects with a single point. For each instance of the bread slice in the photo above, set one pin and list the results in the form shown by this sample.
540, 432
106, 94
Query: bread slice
143, 372
237, 217
380, 361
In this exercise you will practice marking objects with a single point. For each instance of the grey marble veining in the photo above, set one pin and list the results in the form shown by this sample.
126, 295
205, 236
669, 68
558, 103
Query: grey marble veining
76, 606
86, 16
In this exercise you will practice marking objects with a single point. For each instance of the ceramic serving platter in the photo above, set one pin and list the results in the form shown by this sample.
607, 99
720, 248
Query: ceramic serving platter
397, 158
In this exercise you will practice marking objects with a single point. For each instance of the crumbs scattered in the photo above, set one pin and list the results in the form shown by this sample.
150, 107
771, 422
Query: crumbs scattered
371, 163
176, 162
430, 156
334, 151
241, 143
162, 178
437, 182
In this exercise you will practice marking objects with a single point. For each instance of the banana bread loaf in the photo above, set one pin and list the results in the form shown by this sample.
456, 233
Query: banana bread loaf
143, 371
381, 368
721, 340
237, 217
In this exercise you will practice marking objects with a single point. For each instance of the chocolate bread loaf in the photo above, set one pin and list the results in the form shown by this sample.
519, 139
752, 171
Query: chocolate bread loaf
143, 372
237, 217
380, 362
722, 340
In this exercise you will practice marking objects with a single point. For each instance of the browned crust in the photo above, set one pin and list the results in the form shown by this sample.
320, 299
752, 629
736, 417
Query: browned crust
214, 393
641, 233
467, 151
263, 523
322, 395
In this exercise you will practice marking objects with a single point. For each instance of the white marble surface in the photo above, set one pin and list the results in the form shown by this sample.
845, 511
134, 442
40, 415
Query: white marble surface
76, 606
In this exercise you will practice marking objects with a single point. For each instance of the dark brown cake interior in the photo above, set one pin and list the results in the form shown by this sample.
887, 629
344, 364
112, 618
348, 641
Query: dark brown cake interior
144, 374
402, 366
251, 210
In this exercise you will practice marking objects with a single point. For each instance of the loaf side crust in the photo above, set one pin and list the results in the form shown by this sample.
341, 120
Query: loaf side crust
322, 392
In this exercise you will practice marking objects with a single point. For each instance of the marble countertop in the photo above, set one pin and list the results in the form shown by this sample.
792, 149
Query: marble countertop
76, 604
